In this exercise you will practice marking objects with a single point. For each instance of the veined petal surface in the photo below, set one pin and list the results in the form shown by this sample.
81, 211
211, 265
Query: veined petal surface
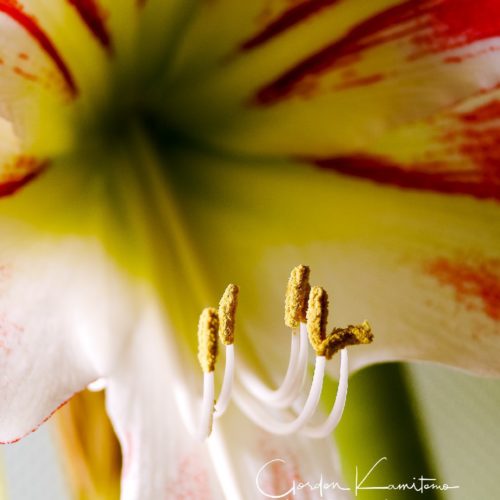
405, 92
423, 268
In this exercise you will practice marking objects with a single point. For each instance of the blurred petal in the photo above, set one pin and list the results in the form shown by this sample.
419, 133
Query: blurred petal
328, 78
35, 84
255, 464
47, 314
65, 309
423, 268
454, 152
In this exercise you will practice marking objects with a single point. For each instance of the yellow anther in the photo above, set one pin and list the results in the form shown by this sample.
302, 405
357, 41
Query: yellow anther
344, 337
297, 293
317, 316
227, 313
208, 328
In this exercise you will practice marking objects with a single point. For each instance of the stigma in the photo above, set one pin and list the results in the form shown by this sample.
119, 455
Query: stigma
290, 407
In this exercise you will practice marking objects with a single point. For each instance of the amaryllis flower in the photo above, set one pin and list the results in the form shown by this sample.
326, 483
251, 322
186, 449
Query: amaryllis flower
152, 152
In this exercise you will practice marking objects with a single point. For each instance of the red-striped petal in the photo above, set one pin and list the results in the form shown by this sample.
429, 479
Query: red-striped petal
93, 16
15, 10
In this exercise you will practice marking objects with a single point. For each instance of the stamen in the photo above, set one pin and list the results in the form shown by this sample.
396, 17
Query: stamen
227, 321
297, 293
299, 374
329, 425
317, 317
306, 310
344, 337
207, 406
227, 312
279, 427
227, 384
208, 328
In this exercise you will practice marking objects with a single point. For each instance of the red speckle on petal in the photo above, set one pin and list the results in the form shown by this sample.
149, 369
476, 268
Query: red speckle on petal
5, 272
93, 18
9, 335
15, 11
456, 23
191, 480
24, 74
280, 475
476, 284
485, 113
361, 81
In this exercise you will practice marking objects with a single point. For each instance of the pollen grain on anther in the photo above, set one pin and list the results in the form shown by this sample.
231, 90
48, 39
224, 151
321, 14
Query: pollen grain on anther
297, 294
227, 314
317, 316
208, 328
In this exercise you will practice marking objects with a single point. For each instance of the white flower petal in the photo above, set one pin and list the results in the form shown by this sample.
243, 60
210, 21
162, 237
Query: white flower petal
63, 317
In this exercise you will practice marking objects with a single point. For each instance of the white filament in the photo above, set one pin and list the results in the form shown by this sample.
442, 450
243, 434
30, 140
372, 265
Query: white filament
294, 378
274, 426
286, 395
207, 406
227, 383
327, 427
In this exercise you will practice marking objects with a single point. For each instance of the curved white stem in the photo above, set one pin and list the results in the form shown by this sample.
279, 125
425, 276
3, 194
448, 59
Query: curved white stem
227, 383
207, 408
270, 424
327, 427
300, 372
294, 378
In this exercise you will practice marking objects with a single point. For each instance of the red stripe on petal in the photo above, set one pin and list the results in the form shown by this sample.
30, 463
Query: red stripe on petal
32, 168
94, 19
291, 17
432, 176
429, 26
476, 285
15, 11
360, 37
